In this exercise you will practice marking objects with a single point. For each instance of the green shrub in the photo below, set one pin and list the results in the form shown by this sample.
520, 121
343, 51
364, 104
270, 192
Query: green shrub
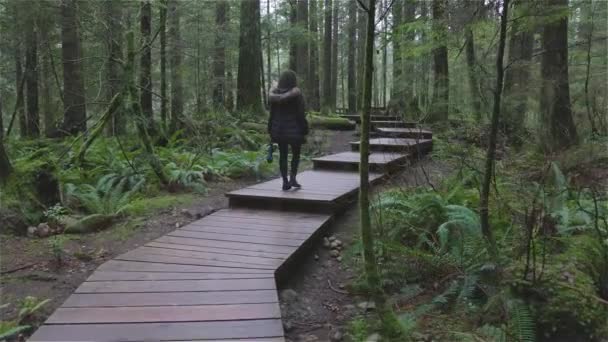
330, 122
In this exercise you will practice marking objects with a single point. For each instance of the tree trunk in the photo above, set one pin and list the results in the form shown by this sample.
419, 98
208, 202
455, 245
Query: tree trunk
517, 77
361, 26
425, 64
441, 91
145, 67
268, 50
384, 55
5, 164
163, 61
313, 69
46, 88
397, 10
219, 60
558, 130
293, 38
19, 75
326, 95
390, 323
472, 67
302, 46
177, 105
117, 124
75, 110
334, 56
484, 198
352, 46
248, 97
31, 76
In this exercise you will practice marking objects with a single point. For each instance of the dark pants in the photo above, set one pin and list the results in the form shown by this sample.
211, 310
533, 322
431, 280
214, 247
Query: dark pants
295, 158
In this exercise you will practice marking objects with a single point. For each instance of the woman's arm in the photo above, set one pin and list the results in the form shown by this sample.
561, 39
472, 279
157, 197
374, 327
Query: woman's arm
301, 115
281, 97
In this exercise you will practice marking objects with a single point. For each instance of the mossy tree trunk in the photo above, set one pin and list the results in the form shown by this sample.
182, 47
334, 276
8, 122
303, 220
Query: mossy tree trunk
75, 109
5, 164
32, 116
177, 105
390, 323
163, 61
557, 126
219, 58
484, 199
313, 68
472, 62
352, 46
113, 15
327, 33
302, 47
145, 66
249, 95
441, 89
517, 76
334, 57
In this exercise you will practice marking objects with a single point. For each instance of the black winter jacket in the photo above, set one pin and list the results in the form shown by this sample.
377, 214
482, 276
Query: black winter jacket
287, 122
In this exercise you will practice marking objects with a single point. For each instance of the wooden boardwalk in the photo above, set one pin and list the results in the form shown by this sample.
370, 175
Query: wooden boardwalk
216, 278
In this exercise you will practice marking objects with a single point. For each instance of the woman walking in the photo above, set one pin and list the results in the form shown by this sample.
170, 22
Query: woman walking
287, 124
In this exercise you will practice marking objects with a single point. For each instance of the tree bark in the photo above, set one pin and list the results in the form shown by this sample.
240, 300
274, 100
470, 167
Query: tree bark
32, 121
352, 46
484, 198
327, 47
19, 75
163, 62
361, 27
472, 67
293, 46
313, 69
219, 60
441, 91
75, 110
302, 48
389, 321
558, 129
268, 49
113, 13
5, 164
248, 97
177, 105
517, 76
145, 67
425, 64
334, 57
397, 12
46, 89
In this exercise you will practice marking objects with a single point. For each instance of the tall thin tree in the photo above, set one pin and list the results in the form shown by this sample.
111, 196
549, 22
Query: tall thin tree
313, 68
74, 102
32, 121
145, 66
484, 198
302, 57
175, 60
326, 90
334, 56
249, 96
6, 167
441, 91
352, 46
163, 61
557, 126
219, 59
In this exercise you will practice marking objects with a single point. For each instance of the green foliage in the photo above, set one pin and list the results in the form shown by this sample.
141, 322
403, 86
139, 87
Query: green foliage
521, 321
104, 198
28, 308
331, 122
56, 246
358, 329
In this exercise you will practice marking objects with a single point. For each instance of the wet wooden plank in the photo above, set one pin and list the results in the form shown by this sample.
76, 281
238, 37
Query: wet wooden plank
268, 215
153, 314
238, 238
397, 145
176, 286
159, 276
411, 133
257, 224
175, 237
249, 231
245, 260
165, 259
170, 298
245, 329
189, 247
150, 266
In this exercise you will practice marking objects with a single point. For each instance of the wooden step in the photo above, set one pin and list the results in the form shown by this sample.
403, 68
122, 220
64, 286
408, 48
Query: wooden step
375, 124
414, 147
322, 191
349, 161
412, 133
357, 118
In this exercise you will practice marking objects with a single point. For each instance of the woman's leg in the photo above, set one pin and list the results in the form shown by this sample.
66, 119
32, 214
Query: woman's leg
295, 162
283, 154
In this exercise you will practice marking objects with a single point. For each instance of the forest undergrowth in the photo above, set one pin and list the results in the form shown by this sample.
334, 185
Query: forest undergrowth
549, 215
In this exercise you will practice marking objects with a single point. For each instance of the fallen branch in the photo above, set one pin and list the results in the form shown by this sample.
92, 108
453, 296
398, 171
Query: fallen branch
19, 268
335, 289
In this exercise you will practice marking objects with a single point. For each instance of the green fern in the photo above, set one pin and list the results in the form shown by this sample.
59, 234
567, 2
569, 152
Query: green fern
104, 198
521, 323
